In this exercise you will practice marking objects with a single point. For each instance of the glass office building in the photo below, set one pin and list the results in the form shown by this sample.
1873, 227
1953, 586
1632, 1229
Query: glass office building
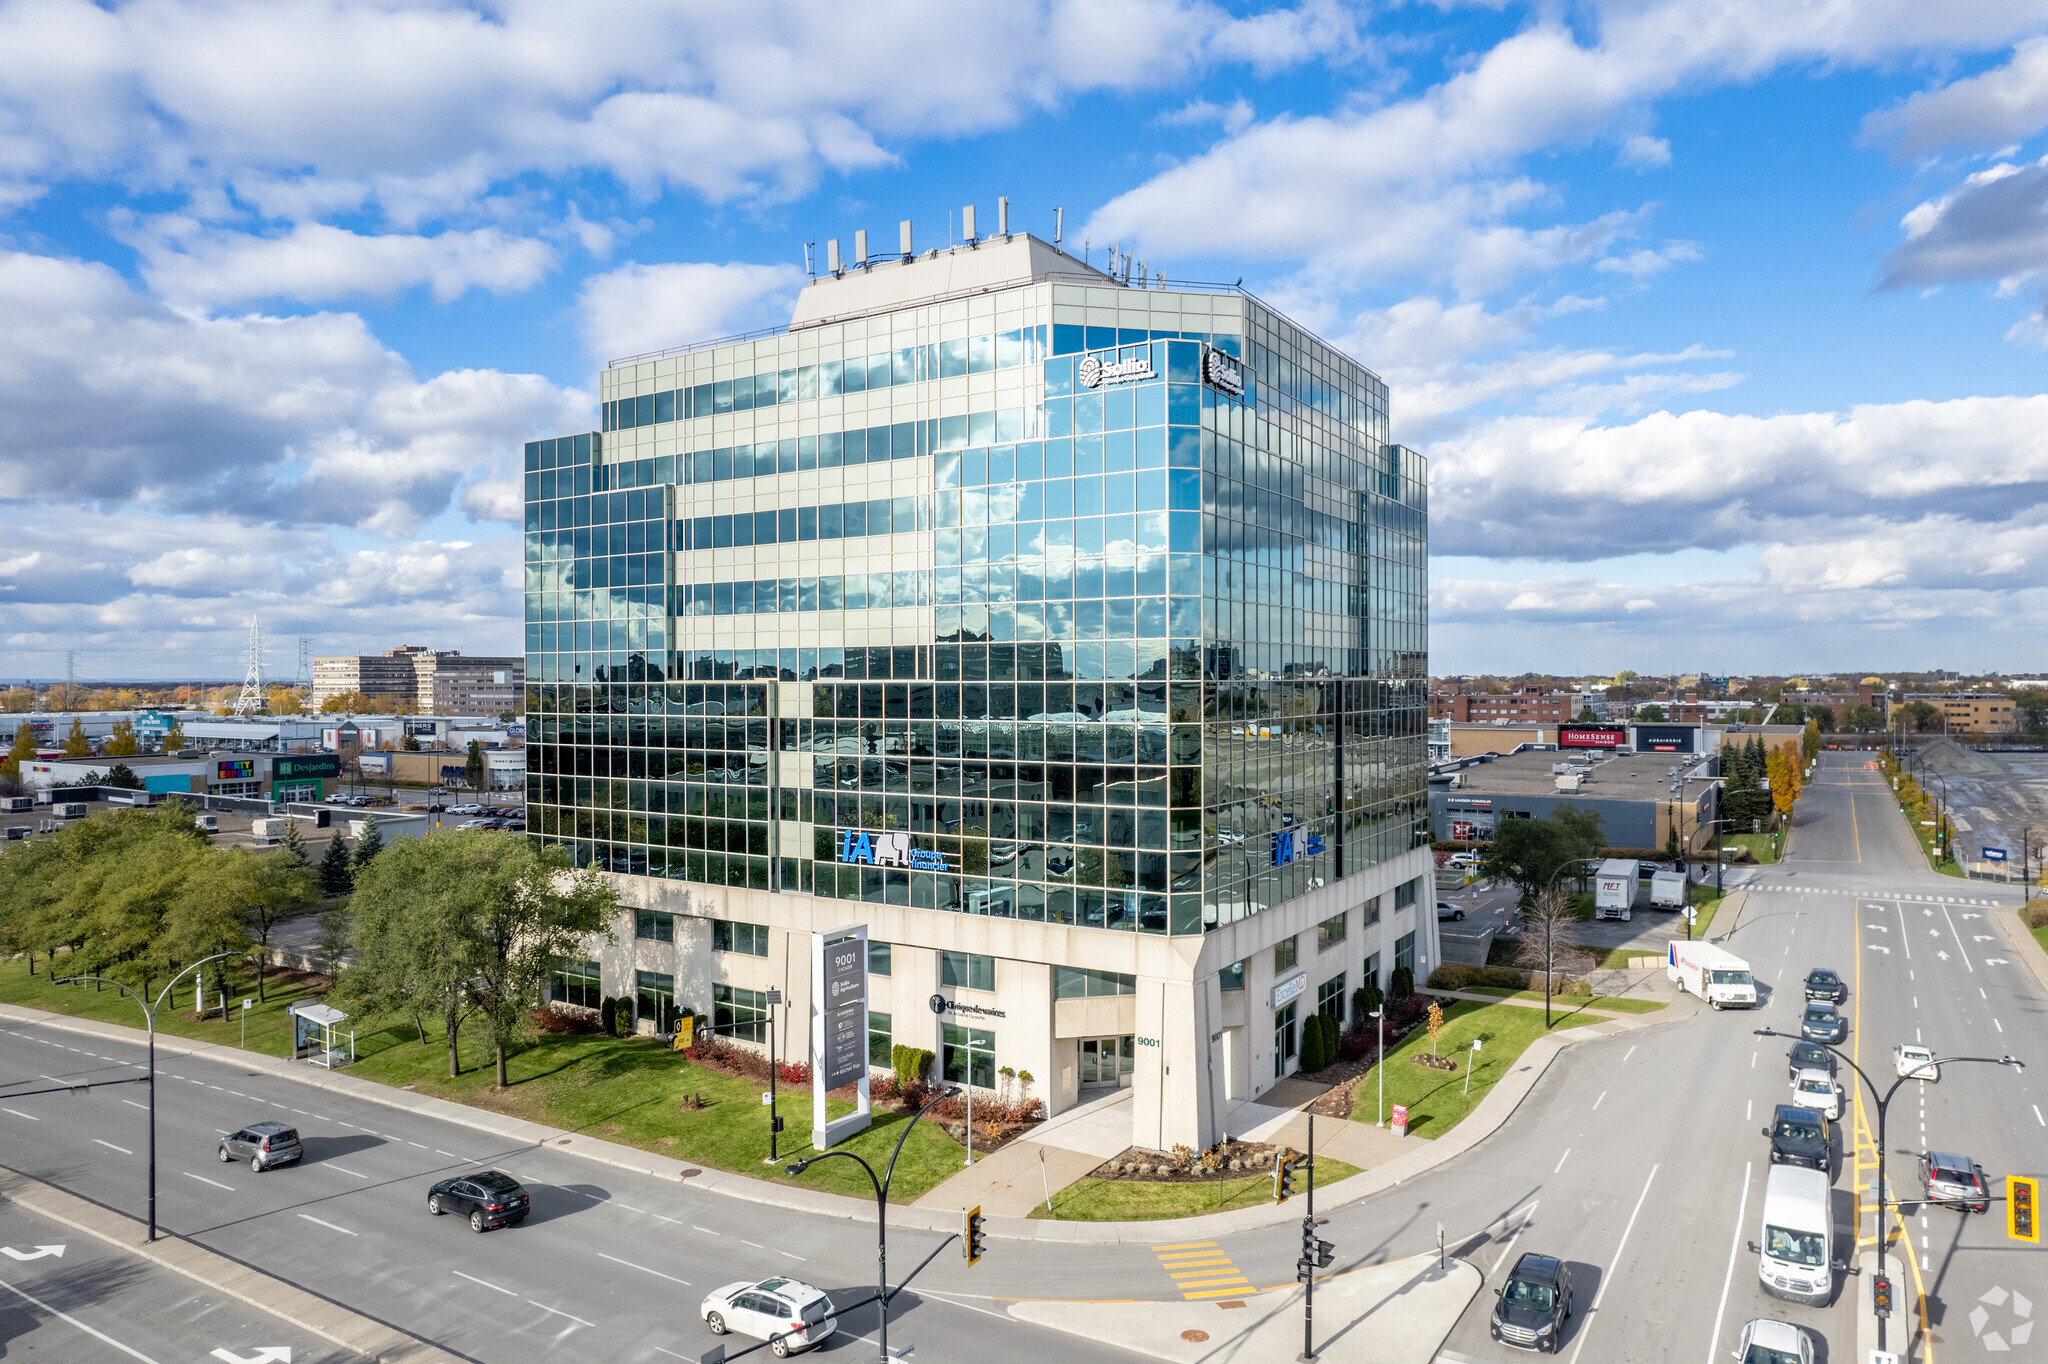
1017, 611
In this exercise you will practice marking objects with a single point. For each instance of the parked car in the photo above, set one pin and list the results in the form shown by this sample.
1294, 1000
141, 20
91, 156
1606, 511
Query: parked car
1954, 1181
436, 807
465, 809
264, 1145
1773, 1342
1808, 1056
1823, 1023
1648, 869
788, 1314
490, 1198
1917, 1062
1821, 983
1817, 1089
1534, 1304
1445, 910
1464, 861
1799, 1136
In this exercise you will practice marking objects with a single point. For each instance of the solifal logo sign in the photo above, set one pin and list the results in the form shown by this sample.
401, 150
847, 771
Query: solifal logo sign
1093, 373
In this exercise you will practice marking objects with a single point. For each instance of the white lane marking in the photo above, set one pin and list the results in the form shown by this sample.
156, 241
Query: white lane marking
630, 1208
1523, 1225
421, 1145
643, 1269
1752, 1060
1916, 1001
485, 1282
450, 1154
329, 1225
1597, 1102
706, 1230
672, 1354
111, 1147
70, 1320
1748, 1109
19, 1114
560, 1313
1741, 1211
1998, 1025
1586, 1326
1905, 937
1958, 934
1981, 994
132, 1104
345, 1170
1625, 1055
204, 1180
792, 1255
755, 1244
2037, 1115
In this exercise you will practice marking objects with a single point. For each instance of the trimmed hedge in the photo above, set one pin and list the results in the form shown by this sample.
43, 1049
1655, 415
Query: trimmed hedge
1319, 1043
1365, 1001
1458, 976
2035, 914
1402, 983
911, 1064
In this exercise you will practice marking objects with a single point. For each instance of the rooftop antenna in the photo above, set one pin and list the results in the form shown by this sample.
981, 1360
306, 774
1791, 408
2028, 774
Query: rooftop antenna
832, 257
1059, 223
251, 701
860, 247
967, 232
810, 259
1003, 216
903, 238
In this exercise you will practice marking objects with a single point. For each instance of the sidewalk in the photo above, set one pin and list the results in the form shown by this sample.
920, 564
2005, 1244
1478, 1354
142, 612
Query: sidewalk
1398, 1313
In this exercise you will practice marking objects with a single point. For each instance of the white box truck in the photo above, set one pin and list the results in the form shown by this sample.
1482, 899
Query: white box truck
1719, 977
1667, 890
1614, 888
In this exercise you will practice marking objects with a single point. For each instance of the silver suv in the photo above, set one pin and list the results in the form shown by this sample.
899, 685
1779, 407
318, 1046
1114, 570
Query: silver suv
262, 1144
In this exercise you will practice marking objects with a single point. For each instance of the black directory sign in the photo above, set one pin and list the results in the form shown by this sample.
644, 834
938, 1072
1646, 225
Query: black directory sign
845, 1010
846, 973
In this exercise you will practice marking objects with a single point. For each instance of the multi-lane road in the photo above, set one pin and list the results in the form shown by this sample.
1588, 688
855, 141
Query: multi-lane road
1638, 1158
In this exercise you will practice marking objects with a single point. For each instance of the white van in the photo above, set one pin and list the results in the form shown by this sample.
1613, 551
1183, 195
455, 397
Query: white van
1797, 1255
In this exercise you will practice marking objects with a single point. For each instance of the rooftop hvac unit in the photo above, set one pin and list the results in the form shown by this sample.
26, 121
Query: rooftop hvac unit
17, 804
1568, 783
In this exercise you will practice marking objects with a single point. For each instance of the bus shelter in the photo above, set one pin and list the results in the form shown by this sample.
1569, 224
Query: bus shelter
317, 1036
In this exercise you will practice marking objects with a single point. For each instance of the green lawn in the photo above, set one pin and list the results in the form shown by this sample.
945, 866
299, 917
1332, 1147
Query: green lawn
1436, 1100
2041, 936
1617, 1003
1759, 845
1121, 1200
622, 1089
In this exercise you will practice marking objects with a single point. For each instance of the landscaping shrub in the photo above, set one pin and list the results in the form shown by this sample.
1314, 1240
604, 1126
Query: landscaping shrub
911, 1064
2035, 914
1458, 976
563, 1022
608, 1016
1401, 985
1366, 999
1312, 1056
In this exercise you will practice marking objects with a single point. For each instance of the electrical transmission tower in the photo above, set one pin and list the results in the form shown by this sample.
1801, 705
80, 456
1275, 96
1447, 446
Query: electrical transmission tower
71, 679
252, 701
303, 678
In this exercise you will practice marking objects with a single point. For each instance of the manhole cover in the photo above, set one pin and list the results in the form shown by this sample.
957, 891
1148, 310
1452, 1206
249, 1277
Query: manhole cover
691, 1174
563, 1142
1194, 1337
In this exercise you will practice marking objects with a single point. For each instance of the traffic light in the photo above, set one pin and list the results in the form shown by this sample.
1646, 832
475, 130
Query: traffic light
1881, 1296
1283, 1180
975, 1235
1316, 1253
2022, 1208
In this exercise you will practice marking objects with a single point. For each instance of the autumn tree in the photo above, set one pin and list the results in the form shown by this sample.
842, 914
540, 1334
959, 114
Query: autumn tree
24, 750
76, 745
122, 743
346, 703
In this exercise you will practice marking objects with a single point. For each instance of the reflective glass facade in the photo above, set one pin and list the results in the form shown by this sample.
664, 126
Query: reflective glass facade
1042, 617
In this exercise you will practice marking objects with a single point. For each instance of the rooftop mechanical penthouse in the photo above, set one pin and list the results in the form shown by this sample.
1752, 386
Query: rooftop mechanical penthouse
1067, 632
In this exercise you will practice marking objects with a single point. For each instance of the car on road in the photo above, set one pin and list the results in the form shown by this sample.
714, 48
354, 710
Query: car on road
1534, 1304
1448, 911
1808, 1056
490, 1198
787, 1313
1823, 1022
465, 809
1917, 1062
1648, 869
1821, 983
1954, 1181
264, 1145
1773, 1342
1799, 1136
1817, 1089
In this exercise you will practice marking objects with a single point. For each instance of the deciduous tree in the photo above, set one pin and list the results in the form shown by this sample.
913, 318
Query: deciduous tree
76, 745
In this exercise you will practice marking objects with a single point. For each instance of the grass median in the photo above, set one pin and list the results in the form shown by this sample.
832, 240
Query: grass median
1137, 1200
1763, 847
1614, 1003
1437, 1100
623, 1089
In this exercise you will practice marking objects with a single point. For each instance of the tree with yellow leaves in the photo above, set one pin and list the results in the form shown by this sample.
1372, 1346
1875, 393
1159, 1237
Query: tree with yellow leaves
121, 743
1784, 773
76, 745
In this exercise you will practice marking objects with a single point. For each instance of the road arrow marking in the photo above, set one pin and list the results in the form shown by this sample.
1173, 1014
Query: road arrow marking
1980, 937
1995, 961
38, 1253
1879, 947
1969, 916
1942, 955
1877, 928
269, 1354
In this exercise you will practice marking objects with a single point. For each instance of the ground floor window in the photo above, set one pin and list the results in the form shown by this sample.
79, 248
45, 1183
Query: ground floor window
740, 1013
970, 1052
1372, 971
1283, 1040
881, 1043
1404, 952
1330, 999
655, 995
578, 982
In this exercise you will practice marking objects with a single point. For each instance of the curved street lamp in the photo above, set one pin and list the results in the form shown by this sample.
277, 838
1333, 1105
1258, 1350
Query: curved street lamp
149, 1012
882, 1206
1883, 1103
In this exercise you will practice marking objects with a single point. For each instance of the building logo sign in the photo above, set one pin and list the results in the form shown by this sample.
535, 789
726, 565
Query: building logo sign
1289, 989
1291, 845
1093, 373
1222, 371
942, 1005
860, 847
235, 769
319, 765
1581, 737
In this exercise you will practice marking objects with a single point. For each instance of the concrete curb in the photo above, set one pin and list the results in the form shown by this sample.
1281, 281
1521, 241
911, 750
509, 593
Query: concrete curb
2024, 944
1492, 1111
328, 1320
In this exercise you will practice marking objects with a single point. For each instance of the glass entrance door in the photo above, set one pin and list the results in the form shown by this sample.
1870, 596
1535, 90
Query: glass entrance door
1283, 1041
1106, 1061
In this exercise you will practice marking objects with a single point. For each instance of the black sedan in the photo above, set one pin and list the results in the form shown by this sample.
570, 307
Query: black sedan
1808, 1056
1823, 1023
1824, 984
490, 1199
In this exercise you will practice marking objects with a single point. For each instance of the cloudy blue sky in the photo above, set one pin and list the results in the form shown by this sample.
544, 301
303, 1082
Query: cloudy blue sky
1722, 321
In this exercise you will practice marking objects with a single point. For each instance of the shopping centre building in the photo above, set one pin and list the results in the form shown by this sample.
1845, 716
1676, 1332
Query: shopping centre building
1067, 631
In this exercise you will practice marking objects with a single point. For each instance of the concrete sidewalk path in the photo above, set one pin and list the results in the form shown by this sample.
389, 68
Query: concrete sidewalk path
308, 1311
1397, 1313
1013, 1181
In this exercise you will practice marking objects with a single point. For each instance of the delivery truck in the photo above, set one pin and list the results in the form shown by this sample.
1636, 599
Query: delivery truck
1711, 973
1614, 888
1667, 890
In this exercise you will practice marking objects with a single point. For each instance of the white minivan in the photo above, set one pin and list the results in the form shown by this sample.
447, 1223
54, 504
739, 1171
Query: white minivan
1797, 1255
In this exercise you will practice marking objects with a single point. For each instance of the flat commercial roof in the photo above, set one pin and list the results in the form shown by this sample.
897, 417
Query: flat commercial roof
1645, 776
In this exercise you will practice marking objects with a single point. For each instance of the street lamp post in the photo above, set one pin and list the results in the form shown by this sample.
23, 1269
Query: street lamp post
881, 1209
1379, 1020
149, 1012
1883, 1103
1940, 815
